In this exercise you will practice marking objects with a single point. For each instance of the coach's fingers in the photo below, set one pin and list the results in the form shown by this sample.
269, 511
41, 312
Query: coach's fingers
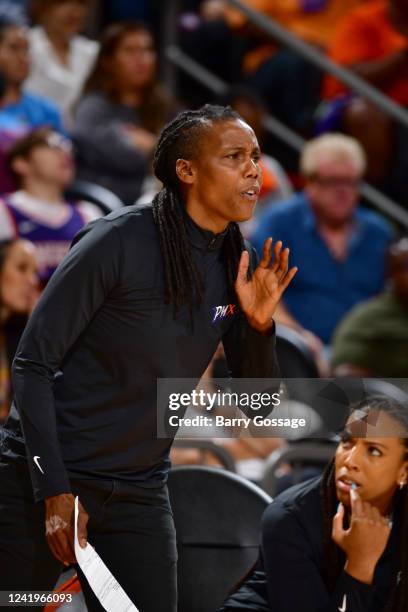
266, 253
83, 518
243, 269
288, 278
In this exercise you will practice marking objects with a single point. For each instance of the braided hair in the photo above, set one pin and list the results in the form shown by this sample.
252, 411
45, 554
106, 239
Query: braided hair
333, 556
181, 139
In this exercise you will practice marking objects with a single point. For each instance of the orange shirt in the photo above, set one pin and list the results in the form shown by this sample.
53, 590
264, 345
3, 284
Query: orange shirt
311, 20
367, 34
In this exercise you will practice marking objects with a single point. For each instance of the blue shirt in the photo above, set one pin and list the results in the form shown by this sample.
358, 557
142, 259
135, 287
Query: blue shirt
16, 120
30, 112
324, 289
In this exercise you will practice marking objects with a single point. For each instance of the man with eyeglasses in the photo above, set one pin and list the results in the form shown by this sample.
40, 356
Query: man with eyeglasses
338, 245
43, 165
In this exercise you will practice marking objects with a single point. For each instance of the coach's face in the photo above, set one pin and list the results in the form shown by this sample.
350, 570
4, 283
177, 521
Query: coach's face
222, 183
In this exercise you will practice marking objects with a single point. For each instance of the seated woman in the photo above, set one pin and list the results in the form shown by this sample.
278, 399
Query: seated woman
123, 110
18, 293
339, 542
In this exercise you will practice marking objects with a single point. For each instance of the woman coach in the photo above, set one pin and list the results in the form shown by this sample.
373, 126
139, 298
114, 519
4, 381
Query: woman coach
134, 301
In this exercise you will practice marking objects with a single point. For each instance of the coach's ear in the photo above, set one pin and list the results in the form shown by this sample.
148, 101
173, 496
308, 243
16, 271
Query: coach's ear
185, 171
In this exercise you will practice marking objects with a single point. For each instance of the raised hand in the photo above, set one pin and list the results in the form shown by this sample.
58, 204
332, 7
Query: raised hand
259, 296
364, 541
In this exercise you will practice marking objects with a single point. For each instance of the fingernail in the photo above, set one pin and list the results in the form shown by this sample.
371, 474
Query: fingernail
338, 507
354, 486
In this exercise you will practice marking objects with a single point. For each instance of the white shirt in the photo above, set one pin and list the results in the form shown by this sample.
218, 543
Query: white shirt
61, 83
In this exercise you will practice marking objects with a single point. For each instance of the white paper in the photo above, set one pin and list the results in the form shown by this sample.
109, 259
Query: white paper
106, 588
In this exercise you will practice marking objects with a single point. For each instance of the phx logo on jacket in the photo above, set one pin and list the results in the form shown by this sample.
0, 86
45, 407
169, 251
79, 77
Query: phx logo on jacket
222, 312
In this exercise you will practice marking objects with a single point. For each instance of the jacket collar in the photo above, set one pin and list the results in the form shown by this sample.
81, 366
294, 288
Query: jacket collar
201, 238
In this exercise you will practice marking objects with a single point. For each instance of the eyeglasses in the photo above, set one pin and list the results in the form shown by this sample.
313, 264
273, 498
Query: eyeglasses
334, 182
57, 141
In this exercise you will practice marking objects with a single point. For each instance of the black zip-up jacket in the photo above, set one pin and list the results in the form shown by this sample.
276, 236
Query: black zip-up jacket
86, 368
292, 574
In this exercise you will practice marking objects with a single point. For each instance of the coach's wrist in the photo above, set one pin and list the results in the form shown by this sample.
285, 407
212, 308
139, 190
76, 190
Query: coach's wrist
262, 326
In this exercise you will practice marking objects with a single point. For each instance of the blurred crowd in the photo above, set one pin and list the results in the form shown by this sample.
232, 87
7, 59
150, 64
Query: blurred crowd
82, 98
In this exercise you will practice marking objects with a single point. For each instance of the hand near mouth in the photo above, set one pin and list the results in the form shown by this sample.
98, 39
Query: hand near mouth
259, 296
364, 541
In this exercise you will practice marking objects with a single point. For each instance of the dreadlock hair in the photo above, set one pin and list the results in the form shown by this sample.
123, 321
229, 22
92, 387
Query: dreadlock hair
333, 556
181, 138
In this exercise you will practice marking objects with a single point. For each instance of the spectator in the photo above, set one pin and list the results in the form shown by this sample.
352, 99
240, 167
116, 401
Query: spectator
205, 35
373, 339
150, 12
61, 60
19, 111
338, 246
124, 108
372, 41
18, 291
289, 84
310, 20
38, 211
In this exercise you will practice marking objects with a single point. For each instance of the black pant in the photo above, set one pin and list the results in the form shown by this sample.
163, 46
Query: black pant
131, 528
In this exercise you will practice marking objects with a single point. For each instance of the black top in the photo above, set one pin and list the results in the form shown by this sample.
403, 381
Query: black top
86, 368
292, 550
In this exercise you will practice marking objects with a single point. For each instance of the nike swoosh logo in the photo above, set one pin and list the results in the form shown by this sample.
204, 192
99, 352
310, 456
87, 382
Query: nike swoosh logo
343, 605
35, 459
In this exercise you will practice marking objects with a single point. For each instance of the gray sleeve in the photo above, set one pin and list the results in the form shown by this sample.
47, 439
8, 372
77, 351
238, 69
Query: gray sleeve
100, 140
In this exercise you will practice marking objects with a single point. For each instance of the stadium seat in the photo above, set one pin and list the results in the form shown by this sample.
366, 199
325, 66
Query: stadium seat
106, 200
219, 452
295, 357
217, 516
300, 455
